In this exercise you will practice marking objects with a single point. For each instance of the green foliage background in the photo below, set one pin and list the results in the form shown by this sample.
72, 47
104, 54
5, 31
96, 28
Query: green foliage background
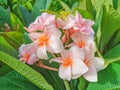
15, 75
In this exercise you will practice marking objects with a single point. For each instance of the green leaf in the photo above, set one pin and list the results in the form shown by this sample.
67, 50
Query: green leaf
82, 4
118, 6
4, 69
15, 39
85, 14
113, 55
15, 81
89, 7
39, 6
7, 48
4, 17
27, 40
25, 15
16, 23
115, 39
109, 25
108, 79
52, 77
98, 20
65, 6
29, 73
82, 83
99, 3
115, 4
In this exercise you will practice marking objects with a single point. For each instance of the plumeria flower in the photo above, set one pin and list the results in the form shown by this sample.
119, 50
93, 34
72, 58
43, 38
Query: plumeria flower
72, 65
94, 64
49, 41
76, 24
83, 25
41, 22
82, 41
28, 54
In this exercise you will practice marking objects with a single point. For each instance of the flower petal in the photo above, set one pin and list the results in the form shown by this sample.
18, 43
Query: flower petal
32, 59
65, 72
87, 31
34, 36
98, 63
59, 60
70, 22
76, 53
41, 52
49, 19
91, 74
55, 45
78, 68
78, 17
64, 54
60, 23
21, 49
88, 22
51, 30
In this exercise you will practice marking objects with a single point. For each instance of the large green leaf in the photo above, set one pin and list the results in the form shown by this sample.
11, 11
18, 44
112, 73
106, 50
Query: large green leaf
113, 55
27, 40
4, 69
114, 40
109, 25
51, 76
99, 3
40, 5
26, 71
15, 39
85, 14
65, 6
25, 15
16, 23
4, 17
108, 79
7, 48
15, 81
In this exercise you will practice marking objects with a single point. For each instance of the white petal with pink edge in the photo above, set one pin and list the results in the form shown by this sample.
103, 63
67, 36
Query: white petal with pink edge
78, 68
76, 53
59, 60
55, 45
52, 30
34, 35
91, 74
65, 72
98, 63
33, 59
41, 52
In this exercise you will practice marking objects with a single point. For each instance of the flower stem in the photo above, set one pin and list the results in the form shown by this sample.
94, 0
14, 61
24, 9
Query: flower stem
66, 84
40, 64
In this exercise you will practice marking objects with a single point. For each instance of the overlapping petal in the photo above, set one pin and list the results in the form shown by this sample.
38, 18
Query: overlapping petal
28, 53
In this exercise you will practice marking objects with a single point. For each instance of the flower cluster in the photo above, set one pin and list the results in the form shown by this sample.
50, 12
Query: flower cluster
71, 38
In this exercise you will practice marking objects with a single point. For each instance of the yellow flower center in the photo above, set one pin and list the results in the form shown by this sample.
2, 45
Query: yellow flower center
26, 56
68, 61
81, 44
44, 39
63, 15
86, 61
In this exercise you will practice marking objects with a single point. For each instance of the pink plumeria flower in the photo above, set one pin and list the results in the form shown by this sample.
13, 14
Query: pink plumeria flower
49, 41
72, 65
81, 40
41, 22
94, 64
83, 25
76, 24
28, 54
